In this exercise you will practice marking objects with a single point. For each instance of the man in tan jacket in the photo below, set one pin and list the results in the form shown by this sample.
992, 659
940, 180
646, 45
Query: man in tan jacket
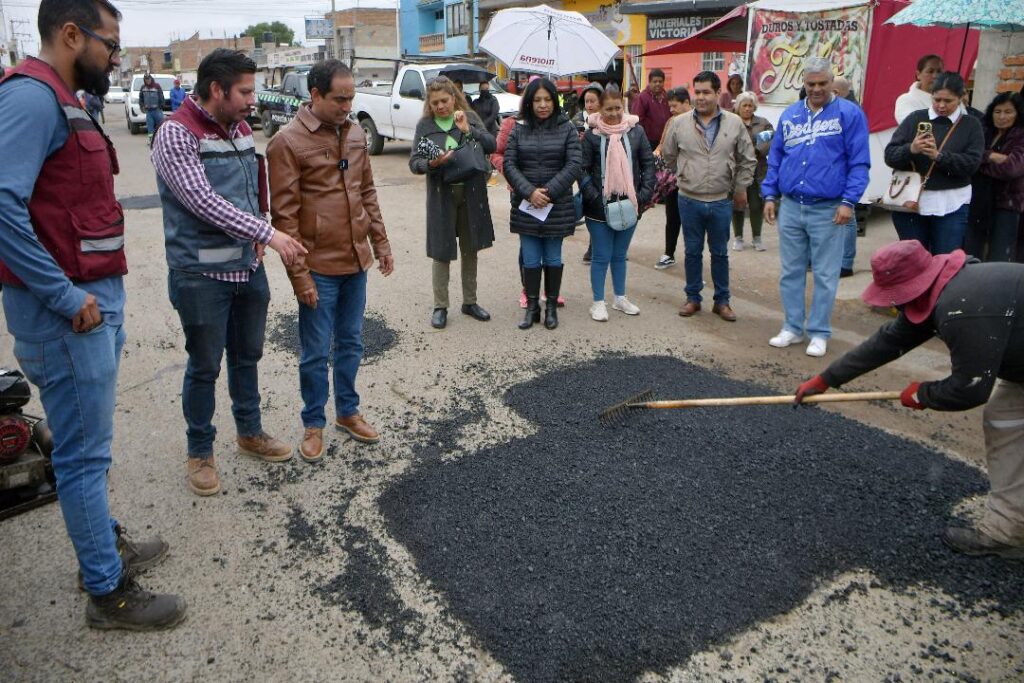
322, 194
714, 160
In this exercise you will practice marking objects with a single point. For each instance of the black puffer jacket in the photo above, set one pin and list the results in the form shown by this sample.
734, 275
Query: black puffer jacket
545, 156
593, 171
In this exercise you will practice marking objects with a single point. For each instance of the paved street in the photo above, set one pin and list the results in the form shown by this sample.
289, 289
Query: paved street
322, 573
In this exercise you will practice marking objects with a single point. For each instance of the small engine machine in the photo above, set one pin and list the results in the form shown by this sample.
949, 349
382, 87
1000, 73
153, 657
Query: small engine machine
26, 477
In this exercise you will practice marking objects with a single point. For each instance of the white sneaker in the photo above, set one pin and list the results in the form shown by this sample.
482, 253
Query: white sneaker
664, 262
784, 339
737, 244
758, 245
599, 311
623, 304
817, 347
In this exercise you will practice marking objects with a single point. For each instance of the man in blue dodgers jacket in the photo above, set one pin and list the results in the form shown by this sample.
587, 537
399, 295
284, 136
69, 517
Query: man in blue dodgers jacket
817, 171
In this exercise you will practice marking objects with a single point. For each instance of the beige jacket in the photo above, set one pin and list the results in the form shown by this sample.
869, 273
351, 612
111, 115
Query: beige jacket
334, 213
709, 174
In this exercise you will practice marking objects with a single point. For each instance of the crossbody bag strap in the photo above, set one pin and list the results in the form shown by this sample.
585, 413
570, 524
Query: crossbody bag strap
924, 181
604, 161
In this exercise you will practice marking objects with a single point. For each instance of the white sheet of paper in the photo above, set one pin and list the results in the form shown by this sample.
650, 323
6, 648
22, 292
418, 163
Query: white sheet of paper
539, 214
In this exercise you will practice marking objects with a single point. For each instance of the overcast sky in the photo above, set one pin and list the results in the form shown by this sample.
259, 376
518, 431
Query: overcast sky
156, 22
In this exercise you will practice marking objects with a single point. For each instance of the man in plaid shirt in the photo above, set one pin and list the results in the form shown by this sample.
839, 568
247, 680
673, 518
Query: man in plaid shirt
211, 187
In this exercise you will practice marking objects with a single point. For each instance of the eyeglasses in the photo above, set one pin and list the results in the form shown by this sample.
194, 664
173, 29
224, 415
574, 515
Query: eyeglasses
112, 45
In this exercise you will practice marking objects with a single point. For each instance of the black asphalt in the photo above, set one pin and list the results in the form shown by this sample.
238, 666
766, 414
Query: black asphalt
587, 552
378, 338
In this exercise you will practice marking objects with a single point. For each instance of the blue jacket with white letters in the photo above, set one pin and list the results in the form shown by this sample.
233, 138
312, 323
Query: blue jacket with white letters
817, 157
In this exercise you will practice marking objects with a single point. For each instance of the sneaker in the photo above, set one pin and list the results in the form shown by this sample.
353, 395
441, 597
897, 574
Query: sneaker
846, 272
265, 447
977, 544
522, 299
586, 254
817, 347
623, 304
560, 301
137, 556
664, 262
785, 338
203, 479
738, 245
131, 608
758, 244
599, 311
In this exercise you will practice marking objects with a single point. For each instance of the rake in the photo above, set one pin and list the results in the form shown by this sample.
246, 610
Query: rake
644, 401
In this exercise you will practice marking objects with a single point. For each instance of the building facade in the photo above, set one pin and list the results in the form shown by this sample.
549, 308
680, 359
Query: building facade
439, 28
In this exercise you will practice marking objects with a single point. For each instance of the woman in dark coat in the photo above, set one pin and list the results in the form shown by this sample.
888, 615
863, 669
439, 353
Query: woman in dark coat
632, 181
542, 161
456, 212
998, 201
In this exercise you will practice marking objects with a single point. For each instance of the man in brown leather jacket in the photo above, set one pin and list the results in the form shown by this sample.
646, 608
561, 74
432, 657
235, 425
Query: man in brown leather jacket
322, 194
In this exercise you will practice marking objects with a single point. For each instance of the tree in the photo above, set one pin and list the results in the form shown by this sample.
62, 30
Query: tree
282, 34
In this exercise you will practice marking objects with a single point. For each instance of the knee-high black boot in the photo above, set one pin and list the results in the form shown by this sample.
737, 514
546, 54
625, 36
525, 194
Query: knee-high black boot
531, 282
552, 285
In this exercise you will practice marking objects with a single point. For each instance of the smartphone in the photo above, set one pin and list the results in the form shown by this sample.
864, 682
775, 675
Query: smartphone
924, 127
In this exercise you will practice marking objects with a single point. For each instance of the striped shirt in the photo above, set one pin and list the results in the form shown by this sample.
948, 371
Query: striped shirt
176, 158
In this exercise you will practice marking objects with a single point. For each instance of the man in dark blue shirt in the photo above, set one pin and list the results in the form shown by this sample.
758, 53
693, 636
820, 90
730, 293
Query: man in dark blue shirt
66, 319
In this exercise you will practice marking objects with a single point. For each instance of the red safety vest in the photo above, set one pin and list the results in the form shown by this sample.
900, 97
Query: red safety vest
73, 209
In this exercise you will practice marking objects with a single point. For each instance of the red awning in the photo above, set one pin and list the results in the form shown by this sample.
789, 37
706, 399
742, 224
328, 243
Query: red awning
728, 34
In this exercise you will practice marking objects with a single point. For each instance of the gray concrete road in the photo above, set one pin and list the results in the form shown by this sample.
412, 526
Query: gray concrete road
291, 573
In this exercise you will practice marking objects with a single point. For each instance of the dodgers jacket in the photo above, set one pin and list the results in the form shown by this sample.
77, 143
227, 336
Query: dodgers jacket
819, 157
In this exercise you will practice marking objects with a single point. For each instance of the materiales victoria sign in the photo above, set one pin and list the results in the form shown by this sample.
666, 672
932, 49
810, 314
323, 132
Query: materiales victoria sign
780, 41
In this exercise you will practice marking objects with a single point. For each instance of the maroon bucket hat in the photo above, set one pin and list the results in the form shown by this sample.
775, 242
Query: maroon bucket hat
903, 272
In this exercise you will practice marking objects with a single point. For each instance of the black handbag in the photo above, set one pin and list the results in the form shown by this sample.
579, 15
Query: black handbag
468, 158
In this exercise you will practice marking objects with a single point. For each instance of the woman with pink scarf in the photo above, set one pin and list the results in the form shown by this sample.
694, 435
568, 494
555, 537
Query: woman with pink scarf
615, 175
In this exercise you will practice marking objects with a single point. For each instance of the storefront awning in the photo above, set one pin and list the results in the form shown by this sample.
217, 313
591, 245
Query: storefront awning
728, 34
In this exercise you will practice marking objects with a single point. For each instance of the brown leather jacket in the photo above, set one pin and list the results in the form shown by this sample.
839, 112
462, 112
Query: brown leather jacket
333, 212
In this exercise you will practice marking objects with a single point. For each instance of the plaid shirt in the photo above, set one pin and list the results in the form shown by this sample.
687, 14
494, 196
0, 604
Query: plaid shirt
176, 158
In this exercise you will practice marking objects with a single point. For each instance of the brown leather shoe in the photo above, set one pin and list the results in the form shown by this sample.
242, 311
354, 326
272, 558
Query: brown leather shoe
202, 476
689, 308
358, 428
724, 312
265, 447
312, 447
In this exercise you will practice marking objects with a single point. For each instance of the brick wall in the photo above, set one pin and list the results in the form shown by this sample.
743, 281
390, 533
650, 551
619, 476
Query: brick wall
1011, 76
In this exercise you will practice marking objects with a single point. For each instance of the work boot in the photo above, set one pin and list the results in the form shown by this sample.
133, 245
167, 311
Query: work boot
531, 283
358, 428
312, 447
137, 556
265, 447
134, 609
202, 476
552, 285
977, 544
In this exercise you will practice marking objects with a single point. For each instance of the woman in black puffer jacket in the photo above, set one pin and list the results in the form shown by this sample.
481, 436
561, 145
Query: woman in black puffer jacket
542, 161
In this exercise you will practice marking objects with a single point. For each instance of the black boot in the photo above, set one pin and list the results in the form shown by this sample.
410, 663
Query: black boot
132, 608
552, 286
531, 283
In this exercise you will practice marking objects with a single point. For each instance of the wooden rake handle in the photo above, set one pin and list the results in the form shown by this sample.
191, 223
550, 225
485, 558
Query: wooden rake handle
770, 400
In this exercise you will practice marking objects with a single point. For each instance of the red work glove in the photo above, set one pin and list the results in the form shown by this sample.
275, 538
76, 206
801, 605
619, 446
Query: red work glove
815, 385
909, 396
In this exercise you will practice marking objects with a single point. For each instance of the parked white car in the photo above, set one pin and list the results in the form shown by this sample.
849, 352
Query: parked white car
115, 95
393, 113
135, 117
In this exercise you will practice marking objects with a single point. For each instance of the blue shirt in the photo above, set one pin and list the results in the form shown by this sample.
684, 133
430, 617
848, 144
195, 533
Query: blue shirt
819, 156
34, 129
711, 130
177, 97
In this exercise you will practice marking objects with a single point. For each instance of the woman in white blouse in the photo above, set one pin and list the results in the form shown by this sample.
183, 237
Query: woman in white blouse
920, 94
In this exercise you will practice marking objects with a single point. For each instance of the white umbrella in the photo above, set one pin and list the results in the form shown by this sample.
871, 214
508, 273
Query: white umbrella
548, 41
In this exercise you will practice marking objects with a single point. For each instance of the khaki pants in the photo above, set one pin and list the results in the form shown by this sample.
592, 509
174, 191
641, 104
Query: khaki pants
442, 269
1004, 450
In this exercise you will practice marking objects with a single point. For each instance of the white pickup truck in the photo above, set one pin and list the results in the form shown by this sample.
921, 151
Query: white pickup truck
392, 113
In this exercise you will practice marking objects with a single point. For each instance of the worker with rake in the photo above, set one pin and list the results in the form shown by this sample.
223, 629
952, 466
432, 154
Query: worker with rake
977, 309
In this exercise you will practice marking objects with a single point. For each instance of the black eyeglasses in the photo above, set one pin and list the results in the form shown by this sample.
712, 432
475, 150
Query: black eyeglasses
112, 45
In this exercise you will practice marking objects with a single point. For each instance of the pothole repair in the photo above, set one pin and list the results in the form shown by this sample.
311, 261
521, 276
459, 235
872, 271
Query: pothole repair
378, 338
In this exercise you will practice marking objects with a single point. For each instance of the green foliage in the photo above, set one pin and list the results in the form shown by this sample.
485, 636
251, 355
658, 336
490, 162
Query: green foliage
282, 34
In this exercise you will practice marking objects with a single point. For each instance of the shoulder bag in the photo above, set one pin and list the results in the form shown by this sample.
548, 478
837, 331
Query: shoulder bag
468, 160
905, 187
620, 214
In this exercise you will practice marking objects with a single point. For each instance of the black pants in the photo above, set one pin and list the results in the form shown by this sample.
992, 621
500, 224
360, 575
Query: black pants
672, 223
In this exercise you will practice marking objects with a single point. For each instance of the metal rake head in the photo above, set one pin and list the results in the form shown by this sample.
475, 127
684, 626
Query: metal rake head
618, 413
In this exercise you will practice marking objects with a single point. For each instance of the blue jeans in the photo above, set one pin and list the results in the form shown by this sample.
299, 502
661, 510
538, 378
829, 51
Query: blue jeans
338, 314
608, 247
850, 245
808, 235
540, 251
710, 221
938, 234
154, 117
218, 316
77, 379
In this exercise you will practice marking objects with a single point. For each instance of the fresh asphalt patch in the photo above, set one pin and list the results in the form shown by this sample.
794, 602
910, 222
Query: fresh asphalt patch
140, 202
589, 552
378, 338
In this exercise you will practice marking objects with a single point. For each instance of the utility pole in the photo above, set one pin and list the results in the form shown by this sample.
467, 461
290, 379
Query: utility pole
5, 59
14, 45
472, 26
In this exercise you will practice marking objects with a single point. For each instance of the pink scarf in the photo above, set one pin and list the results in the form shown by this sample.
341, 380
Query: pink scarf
618, 177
